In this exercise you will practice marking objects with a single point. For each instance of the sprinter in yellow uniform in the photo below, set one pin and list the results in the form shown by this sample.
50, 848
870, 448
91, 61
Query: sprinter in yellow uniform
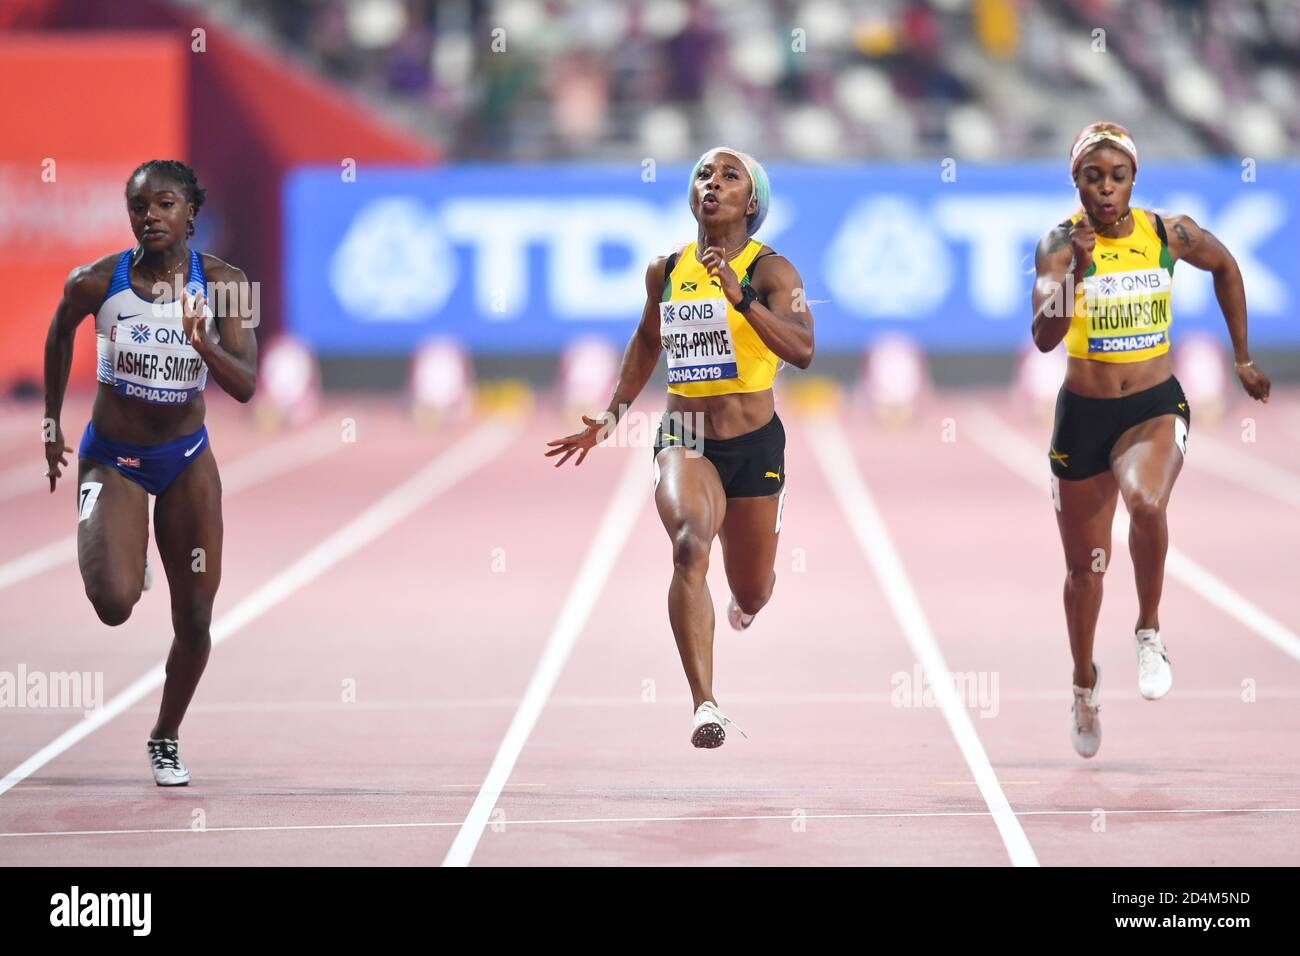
728, 311
1103, 285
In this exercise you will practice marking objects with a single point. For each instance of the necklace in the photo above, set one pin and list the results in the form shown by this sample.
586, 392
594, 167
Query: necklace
170, 272
1117, 224
725, 254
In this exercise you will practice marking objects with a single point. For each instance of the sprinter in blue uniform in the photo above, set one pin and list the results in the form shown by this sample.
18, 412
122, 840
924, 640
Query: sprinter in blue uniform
157, 340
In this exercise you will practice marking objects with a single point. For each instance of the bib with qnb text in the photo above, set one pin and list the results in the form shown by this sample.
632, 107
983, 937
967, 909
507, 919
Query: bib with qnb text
1121, 309
141, 345
712, 349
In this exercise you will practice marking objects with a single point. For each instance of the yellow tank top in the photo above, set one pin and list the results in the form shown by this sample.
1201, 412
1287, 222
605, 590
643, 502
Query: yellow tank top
712, 349
1121, 309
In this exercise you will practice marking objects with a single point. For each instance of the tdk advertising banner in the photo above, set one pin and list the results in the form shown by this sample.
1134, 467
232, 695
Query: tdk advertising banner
525, 258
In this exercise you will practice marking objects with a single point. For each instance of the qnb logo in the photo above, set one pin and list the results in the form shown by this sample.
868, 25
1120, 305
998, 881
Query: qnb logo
170, 336
140, 332
75, 908
688, 312
669, 313
1149, 280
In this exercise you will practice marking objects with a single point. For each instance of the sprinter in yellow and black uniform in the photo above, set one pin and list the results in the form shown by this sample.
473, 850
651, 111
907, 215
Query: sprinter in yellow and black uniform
728, 311
1103, 286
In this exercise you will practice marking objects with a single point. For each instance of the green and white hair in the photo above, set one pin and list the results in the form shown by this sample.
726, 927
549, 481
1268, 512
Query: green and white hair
760, 188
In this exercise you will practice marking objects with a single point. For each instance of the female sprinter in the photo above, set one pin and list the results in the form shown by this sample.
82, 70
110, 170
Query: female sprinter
146, 434
1103, 284
729, 311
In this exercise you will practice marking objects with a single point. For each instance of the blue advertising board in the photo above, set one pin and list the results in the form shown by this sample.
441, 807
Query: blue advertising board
525, 258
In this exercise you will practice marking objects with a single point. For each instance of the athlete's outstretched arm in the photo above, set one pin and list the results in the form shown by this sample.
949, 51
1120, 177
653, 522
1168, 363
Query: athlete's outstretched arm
84, 290
639, 361
1191, 243
642, 352
232, 362
1064, 251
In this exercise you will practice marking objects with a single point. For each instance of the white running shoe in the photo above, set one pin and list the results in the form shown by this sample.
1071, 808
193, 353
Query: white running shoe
1085, 724
148, 574
737, 618
709, 721
1155, 676
165, 758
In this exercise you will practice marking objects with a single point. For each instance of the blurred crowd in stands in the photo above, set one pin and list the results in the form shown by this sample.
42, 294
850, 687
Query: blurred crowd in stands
818, 80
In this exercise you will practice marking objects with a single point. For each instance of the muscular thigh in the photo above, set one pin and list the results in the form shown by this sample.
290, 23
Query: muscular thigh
112, 528
749, 538
188, 529
1087, 509
1148, 457
688, 492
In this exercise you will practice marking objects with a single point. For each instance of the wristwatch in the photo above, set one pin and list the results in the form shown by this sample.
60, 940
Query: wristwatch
747, 297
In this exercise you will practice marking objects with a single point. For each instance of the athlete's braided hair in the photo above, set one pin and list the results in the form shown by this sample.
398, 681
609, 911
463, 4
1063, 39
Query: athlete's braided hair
175, 169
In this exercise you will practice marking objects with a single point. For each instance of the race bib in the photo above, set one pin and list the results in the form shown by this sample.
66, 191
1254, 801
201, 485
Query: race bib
154, 361
1127, 311
697, 338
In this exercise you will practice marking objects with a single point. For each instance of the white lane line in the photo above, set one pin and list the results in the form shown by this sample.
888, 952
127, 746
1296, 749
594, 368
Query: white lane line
1120, 696
442, 824
29, 477
1004, 444
274, 459
42, 559
831, 449
1243, 468
281, 454
615, 525
456, 463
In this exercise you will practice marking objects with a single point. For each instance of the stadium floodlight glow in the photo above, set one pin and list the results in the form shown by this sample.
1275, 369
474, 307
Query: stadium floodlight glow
1038, 381
895, 378
1201, 367
289, 389
588, 373
441, 386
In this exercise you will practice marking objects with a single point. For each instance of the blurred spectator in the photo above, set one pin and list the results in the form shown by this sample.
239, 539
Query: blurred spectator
808, 79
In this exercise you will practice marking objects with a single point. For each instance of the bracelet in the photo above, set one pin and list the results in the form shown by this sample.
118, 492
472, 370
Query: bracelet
1250, 364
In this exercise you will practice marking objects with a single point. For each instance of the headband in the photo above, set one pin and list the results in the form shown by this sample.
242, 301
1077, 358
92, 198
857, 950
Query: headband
1093, 136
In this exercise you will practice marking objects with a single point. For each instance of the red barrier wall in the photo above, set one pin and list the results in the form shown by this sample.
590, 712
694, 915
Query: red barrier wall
243, 118
74, 126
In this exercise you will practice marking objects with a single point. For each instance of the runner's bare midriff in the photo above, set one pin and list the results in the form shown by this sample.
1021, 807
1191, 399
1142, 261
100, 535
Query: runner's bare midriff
727, 416
1115, 379
134, 422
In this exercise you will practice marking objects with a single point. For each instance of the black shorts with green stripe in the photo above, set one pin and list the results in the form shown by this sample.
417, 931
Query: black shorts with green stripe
1086, 429
750, 465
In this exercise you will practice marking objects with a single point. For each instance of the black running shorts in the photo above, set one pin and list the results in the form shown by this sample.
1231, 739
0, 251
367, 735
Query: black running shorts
1086, 429
750, 465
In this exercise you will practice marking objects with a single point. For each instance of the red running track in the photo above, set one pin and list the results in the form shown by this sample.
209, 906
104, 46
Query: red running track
379, 646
